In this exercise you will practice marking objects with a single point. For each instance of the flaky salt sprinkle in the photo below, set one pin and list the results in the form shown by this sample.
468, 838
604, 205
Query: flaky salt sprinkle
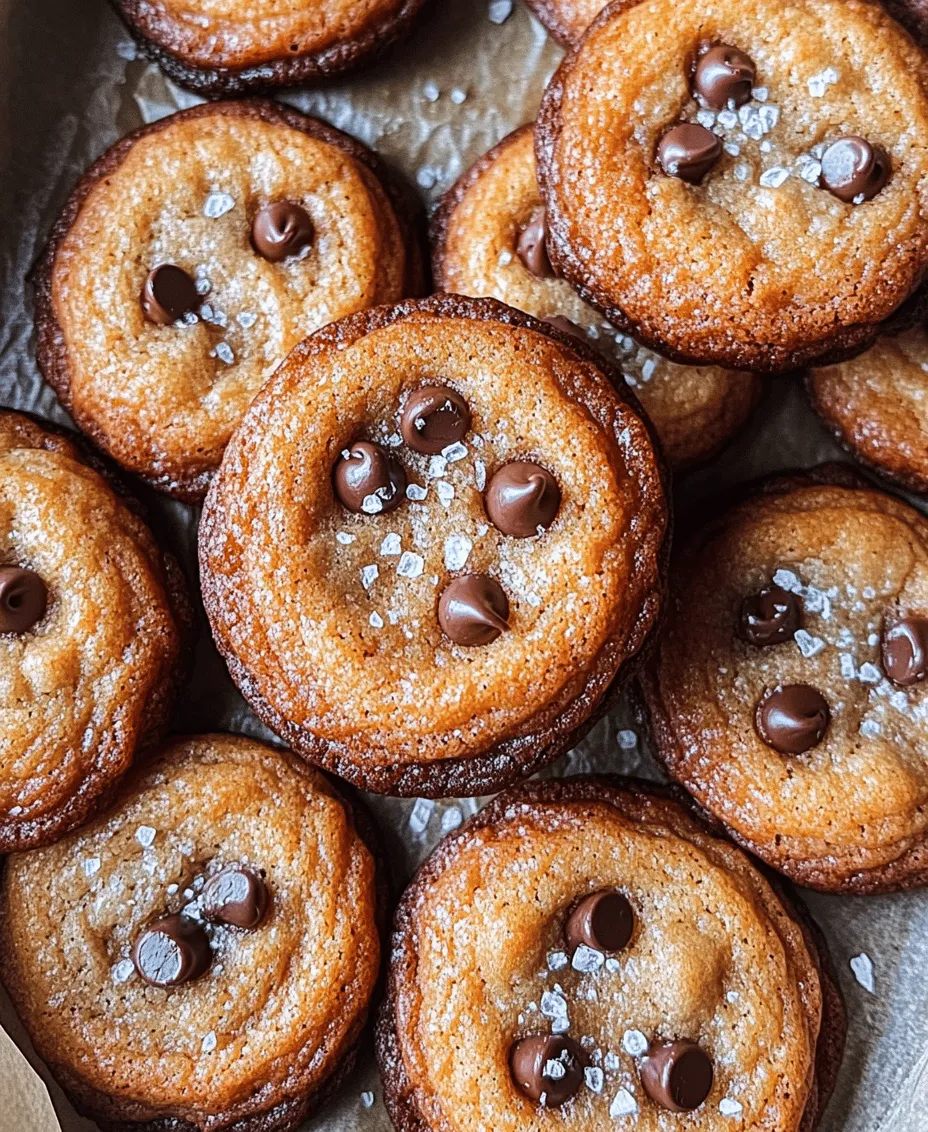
367, 1099
635, 1043
808, 645
344, 538
145, 835
217, 204
869, 674
416, 492
586, 960
224, 353
369, 575
421, 815
728, 1106
91, 866
454, 452
410, 565
451, 819
553, 1005
445, 492
820, 82
391, 545
623, 1104
376, 621
209, 1042
431, 91
628, 740
775, 177
557, 960
457, 551
594, 1078
246, 319
500, 11
122, 972
862, 966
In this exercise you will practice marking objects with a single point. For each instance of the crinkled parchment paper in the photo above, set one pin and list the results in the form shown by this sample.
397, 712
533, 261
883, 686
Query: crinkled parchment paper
472, 71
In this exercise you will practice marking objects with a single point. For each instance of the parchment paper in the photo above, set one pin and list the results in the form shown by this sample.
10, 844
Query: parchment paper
468, 75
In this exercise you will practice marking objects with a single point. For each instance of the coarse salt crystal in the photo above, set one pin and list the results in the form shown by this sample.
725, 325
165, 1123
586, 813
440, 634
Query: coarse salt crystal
612, 1061
431, 91
728, 1106
410, 565
209, 1042
344, 538
421, 815
870, 729
416, 492
808, 645
457, 551
862, 966
217, 204
774, 178
480, 475
595, 1079
145, 835
553, 1005
557, 960
445, 492
635, 1043
391, 545
438, 465
246, 319
454, 452
367, 1099
848, 667
451, 819
376, 620
554, 1070
224, 353
628, 740
369, 575
458, 95
123, 970
869, 674
372, 504
91, 866
587, 959
500, 11
624, 1104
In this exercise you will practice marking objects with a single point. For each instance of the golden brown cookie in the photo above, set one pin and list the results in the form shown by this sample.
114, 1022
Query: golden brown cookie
203, 955
877, 406
738, 183
93, 626
488, 239
191, 259
787, 693
435, 546
603, 960
234, 47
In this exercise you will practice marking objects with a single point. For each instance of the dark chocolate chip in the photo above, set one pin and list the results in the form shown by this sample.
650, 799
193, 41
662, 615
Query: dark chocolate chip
603, 920
368, 478
473, 610
724, 74
169, 293
688, 151
530, 246
568, 327
172, 951
433, 418
236, 895
793, 719
905, 650
281, 230
548, 1066
853, 170
521, 497
23, 598
676, 1075
770, 616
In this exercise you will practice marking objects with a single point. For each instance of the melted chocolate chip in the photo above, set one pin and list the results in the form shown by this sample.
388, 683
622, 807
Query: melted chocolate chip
368, 478
23, 598
172, 951
549, 1066
236, 895
853, 170
793, 719
473, 610
676, 1075
688, 151
724, 74
905, 650
769, 617
530, 246
169, 293
433, 418
603, 920
521, 497
568, 327
281, 230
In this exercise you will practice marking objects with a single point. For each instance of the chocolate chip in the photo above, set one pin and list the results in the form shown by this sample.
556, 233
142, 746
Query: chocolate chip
688, 151
169, 293
566, 326
676, 1075
172, 951
473, 610
433, 418
603, 920
530, 246
905, 650
521, 497
793, 719
724, 74
281, 230
770, 616
853, 170
368, 478
23, 598
236, 895
549, 1066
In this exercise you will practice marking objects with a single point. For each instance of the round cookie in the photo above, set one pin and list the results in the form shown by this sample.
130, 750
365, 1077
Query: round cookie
233, 47
93, 627
426, 503
787, 693
488, 240
877, 406
763, 168
191, 259
203, 955
913, 15
718, 1008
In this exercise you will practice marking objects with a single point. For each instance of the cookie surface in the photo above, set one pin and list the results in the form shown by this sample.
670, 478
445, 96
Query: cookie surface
484, 941
270, 1016
230, 47
737, 240
787, 694
477, 234
877, 405
92, 632
379, 678
160, 379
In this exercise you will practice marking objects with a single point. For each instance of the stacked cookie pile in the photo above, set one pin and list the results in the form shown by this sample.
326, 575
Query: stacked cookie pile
435, 549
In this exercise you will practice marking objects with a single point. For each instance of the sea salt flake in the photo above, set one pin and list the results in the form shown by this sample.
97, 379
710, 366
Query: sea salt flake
369, 575
595, 1078
426, 178
848, 667
862, 966
376, 620
613, 966
900, 701
728, 119
457, 551
870, 729
705, 118
819, 83
145, 835
741, 172
732, 149
730, 1107
91, 866
209, 1042
808, 645
438, 465
480, 475
774, 178
416, 492
431, 91
367, 1100
451, 819
869, 674
628, 740
808, 168
217, 204
586, 960
458, 95
557, 960
410, 565
553, 1005
391, 545
246, 319
612, 1061
421, 815
634, 1043
445, 492
554, 1070
454, 452
760, 94
344, 538
560, 1025
624, 1104
203, 285
500, 11
224, 353
123, 970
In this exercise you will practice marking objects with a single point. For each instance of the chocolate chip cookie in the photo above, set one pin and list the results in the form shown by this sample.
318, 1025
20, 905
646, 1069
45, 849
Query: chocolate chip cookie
788, 692
488, 239
598, 953
93, 628
191, 259
762, 171
913, 15
877, 406
435, 546
233, 47
203, 955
